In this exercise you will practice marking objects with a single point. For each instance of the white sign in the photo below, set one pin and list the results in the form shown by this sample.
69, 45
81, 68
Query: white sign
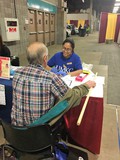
2, 95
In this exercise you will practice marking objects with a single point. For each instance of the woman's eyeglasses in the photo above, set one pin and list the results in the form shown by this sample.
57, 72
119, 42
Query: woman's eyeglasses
67, 49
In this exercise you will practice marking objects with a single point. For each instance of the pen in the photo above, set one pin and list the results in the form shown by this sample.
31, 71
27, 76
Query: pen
70, 83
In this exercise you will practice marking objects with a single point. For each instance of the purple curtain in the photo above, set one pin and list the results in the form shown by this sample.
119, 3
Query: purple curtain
103, 27
75, 22
117, 28
87, 22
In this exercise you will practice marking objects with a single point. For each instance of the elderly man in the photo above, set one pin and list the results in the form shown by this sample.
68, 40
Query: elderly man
36, 90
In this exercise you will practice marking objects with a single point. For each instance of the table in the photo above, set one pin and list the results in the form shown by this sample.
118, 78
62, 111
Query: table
88, 134
5, 111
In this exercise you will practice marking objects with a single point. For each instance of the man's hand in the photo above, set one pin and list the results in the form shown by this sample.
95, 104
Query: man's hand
91, 84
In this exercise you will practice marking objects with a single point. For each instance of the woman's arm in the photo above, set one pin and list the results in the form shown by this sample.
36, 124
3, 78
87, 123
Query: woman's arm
48, 68
75, 73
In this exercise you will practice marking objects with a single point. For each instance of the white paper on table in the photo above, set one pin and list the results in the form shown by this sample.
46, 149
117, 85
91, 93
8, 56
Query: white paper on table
68, 80
100, 80
2, 95
96, 92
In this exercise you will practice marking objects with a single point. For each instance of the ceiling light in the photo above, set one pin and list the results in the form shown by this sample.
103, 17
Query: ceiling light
115, 9
117, 4
117, 0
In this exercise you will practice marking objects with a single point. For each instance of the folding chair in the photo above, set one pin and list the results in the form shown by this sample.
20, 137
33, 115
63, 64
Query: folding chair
22, 140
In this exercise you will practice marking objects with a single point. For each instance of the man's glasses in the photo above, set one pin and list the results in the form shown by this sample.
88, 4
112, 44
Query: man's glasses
67, 49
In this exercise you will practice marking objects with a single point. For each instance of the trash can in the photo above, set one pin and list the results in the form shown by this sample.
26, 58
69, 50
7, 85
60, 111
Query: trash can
83, 32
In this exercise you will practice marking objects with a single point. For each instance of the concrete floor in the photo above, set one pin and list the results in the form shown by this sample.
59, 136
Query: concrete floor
105, 59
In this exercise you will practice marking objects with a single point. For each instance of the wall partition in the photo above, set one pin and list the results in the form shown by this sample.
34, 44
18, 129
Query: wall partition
103, 27
117, 28
109, 27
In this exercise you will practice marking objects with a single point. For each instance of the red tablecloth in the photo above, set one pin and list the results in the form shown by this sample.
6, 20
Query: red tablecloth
88, 134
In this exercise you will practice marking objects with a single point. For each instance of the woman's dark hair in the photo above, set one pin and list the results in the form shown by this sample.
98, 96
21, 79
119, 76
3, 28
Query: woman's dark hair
71, 41
1, 41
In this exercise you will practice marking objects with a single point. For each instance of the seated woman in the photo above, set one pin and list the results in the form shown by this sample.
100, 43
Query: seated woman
67, 60
4, 50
